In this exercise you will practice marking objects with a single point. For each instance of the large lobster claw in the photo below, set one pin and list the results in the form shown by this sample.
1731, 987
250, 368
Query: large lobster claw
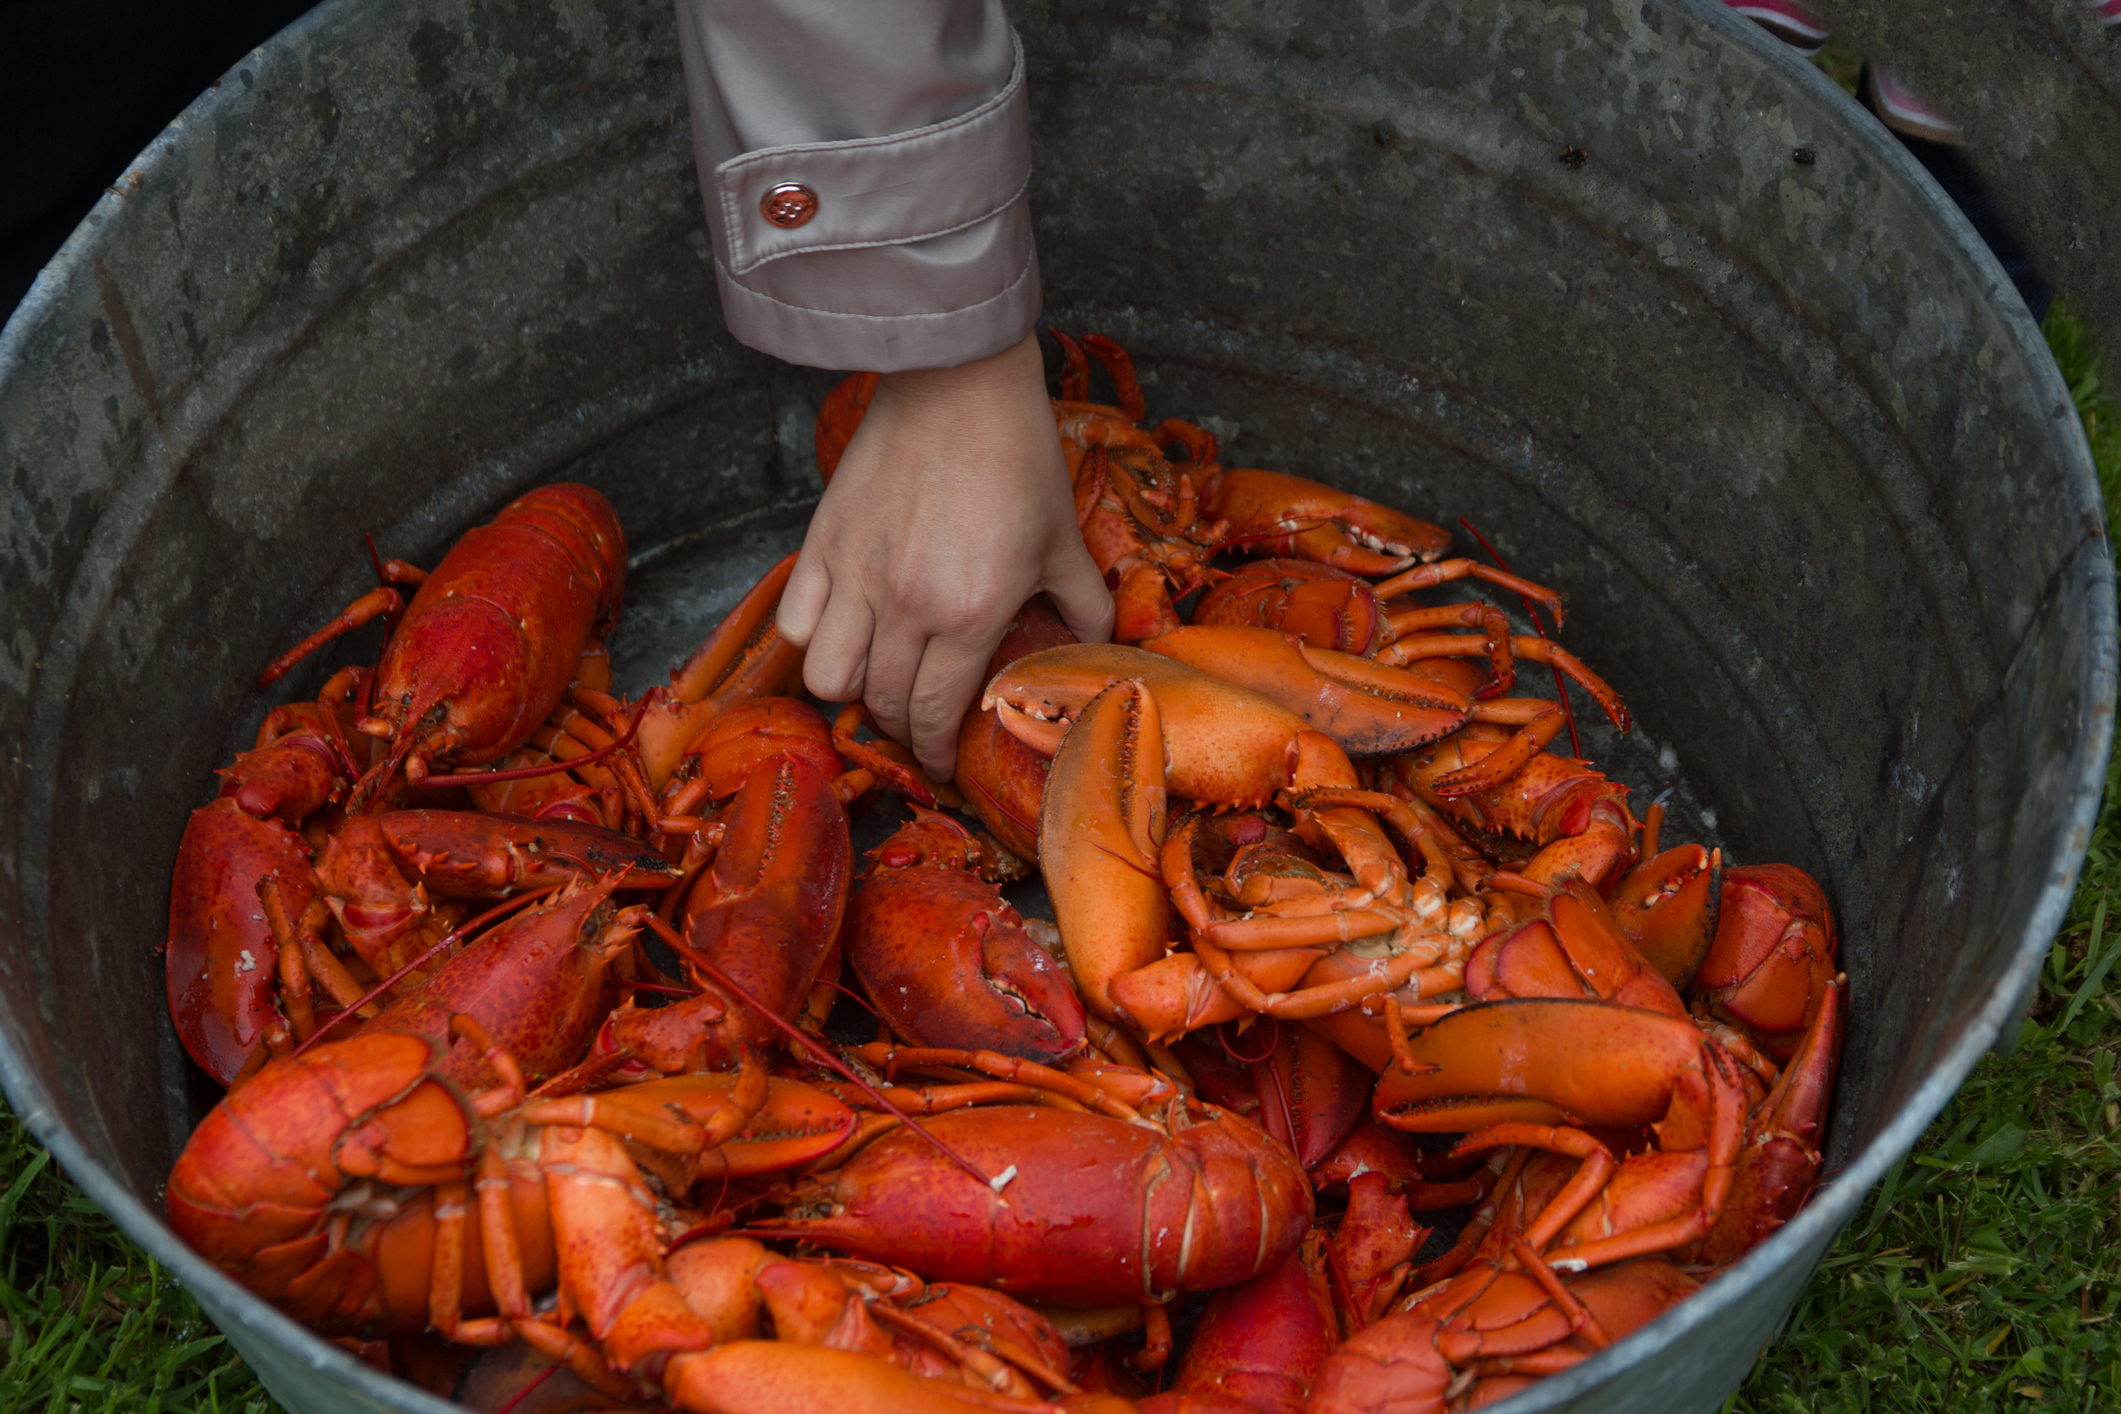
1221, 743
1371, 709
1780, 1161
1577, 950
221, 958
1667, 905
1099, 838
1539, 1060
1261, 1341
947, 960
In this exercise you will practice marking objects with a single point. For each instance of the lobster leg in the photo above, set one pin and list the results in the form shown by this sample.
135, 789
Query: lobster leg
837, 418
1444, 571
1119, 366
1369, 707
375, 604
1489, 773
1537, 650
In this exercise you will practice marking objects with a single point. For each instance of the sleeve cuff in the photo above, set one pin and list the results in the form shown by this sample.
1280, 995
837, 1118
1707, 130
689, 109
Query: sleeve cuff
892, 308
906, 187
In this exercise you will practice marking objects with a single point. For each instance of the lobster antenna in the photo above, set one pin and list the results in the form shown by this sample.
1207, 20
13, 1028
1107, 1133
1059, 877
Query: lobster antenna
369, 788
524, 1393
1532, 612
551, 768
815, 1047
374, 558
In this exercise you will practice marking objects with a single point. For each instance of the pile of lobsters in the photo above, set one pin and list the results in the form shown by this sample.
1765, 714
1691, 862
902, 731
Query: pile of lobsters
1375, 1057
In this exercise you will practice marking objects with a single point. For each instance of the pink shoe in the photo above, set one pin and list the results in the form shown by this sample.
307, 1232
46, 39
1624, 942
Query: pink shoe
2108, 11
1789, 22
1903, 112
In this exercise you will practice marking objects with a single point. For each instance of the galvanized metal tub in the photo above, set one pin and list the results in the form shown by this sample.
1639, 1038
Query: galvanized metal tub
1640, 294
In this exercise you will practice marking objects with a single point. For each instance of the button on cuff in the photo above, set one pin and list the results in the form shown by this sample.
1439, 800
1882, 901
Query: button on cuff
891, 190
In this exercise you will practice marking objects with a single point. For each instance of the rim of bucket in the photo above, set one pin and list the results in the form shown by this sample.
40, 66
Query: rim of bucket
1829, 1209
1836, 1201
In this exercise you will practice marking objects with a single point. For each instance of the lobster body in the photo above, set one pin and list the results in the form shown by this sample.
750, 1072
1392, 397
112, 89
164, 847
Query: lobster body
1094, 1210
768, 913
487, 646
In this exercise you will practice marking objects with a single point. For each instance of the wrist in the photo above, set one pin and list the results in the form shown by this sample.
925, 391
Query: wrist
1010, 371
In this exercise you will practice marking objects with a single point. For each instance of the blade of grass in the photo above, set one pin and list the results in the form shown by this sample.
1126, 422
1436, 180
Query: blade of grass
2099, 969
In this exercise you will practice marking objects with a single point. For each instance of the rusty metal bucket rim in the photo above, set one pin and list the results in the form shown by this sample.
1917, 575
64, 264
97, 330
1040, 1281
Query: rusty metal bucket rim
1831, 1208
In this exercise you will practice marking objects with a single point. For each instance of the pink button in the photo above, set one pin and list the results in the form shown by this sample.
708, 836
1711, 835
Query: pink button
788, 205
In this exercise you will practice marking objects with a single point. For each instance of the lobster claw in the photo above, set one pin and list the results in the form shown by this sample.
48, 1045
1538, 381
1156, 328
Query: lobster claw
1577, 950
1221, 743
1100, 833
837, 418
1780, 1162
1004, 779
1288, 515
289, 778
221, 959
1261, 1341
1369, 708
947, 960
1542, 1061
1773, 956
1668, 906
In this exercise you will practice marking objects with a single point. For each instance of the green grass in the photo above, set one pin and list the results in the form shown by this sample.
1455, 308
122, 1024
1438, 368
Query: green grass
87, 1321
1984, 1273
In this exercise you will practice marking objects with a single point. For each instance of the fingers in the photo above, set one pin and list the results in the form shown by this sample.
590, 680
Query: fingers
804, 597
837, 661
895, 654
952, 671
1079, 593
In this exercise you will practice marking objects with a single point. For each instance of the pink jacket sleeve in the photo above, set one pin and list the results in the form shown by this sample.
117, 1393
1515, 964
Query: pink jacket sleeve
864, 165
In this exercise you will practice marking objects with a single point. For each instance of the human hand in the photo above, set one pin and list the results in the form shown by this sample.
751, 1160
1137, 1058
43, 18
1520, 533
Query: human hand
950, 508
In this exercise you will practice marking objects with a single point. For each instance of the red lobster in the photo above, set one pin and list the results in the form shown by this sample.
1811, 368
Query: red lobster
485, 650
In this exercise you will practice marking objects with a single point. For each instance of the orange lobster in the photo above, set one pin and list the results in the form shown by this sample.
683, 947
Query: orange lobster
1521, 1328
1113, 876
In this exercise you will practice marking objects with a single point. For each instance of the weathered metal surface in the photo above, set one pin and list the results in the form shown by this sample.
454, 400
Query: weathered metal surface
1782, 429
2036, 86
